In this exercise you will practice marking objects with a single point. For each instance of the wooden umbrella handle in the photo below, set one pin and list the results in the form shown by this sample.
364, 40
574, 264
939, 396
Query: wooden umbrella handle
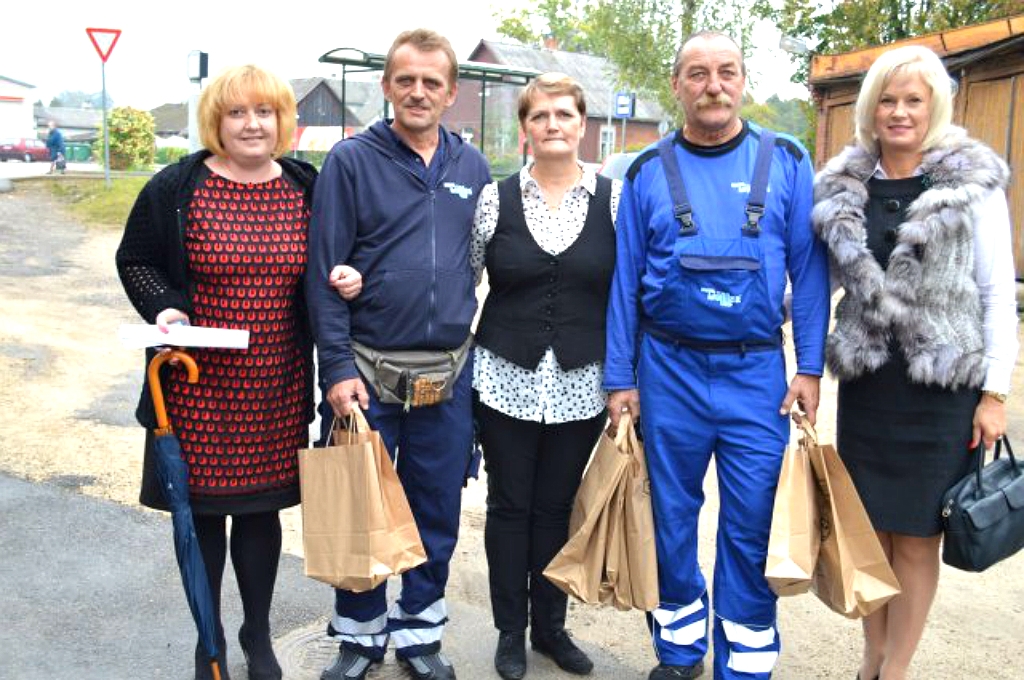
153, 377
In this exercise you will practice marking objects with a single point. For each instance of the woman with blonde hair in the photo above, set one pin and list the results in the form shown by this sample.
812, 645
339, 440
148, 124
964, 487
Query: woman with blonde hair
219, 239
916, 222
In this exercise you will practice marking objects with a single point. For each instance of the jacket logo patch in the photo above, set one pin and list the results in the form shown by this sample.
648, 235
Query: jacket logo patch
722, 298
744, 187
459, 190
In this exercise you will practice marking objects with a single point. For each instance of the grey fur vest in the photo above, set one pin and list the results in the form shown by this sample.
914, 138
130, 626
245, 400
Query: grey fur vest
926, 298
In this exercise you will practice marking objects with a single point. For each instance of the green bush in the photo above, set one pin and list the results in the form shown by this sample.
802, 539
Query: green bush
169, 154
131, 139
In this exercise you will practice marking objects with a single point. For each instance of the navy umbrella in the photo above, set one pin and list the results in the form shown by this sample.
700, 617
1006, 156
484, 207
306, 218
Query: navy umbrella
172, 472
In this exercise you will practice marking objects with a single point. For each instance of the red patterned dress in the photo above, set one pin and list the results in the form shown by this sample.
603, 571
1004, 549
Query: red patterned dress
241, 425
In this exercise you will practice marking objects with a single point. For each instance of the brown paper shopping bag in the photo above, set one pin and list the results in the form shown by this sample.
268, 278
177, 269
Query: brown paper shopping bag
795, 533
610, 555
852, 576
639, 530
357, 527
578, 568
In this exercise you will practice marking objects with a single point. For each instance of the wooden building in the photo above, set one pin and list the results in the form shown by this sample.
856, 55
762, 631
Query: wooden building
987, 62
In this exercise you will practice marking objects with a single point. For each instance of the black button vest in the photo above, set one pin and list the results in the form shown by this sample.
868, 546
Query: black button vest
886, 210
538, 300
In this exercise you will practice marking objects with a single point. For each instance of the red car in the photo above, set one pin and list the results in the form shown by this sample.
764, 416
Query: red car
24, 149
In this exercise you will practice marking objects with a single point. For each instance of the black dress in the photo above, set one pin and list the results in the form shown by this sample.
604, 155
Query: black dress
903, 443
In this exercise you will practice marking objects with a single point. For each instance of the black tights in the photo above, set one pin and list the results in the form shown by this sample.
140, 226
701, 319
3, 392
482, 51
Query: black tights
255, 552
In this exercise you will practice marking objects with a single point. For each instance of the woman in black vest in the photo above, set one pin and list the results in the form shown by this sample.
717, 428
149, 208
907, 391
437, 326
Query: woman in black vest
915, 219
547, 238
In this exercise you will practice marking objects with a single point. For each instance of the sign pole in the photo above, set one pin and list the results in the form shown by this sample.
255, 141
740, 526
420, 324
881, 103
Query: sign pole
108, 37
106, 136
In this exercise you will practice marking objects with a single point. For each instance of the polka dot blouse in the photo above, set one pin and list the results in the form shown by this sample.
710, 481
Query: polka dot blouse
547, 394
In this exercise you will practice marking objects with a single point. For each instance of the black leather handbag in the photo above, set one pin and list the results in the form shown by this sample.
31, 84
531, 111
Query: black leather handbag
983, 514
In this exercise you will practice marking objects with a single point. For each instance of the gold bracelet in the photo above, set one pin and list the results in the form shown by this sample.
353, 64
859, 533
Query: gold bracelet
998, 396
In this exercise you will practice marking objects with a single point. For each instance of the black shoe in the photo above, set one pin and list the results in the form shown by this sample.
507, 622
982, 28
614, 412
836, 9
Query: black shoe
350, 665
259, 656
435, 666
510, 657
666, 672
204, 671
559, 647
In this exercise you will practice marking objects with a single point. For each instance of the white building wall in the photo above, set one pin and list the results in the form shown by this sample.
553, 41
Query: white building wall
16, 118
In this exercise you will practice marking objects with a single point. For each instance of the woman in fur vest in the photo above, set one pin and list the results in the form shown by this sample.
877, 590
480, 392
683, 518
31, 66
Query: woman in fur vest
916, 222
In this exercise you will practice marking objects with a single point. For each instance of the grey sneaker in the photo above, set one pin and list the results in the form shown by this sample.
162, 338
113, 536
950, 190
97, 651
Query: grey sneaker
434, 666
350, 665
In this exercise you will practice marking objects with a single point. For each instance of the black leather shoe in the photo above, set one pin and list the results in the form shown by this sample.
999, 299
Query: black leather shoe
435, 666
559, 647
350, 665
510, 657
666, 672
204, 671
259, 656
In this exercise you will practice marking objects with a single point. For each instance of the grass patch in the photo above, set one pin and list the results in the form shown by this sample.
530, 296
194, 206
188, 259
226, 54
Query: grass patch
93, 203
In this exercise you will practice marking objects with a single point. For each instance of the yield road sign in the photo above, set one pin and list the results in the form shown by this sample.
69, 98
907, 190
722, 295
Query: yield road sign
104, 39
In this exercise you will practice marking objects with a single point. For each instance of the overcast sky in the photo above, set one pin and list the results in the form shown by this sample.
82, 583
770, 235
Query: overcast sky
45, 44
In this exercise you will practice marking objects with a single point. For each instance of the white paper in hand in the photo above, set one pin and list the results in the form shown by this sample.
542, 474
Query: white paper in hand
137, 336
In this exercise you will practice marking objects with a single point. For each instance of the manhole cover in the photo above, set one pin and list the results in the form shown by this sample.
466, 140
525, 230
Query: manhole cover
305, 652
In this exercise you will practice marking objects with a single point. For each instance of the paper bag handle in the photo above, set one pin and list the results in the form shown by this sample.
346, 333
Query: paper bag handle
355, 423
805, 426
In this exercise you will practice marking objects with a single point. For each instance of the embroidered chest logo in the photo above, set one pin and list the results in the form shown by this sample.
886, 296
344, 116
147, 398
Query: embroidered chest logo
722, 298
462, 192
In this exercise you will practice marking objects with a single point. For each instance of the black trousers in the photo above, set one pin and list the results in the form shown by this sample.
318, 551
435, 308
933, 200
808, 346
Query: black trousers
533, 473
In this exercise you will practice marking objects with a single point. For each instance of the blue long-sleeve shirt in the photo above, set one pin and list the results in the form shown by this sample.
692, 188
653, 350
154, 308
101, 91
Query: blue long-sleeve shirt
718, 183
406, 227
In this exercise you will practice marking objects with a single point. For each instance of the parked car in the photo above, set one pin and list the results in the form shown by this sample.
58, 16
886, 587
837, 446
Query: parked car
24, 149
616, 164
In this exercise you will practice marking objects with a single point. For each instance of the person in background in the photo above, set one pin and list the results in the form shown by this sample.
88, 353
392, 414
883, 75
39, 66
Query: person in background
55, 144
396, 204
219, 239
713, 221
916, 222
547, 238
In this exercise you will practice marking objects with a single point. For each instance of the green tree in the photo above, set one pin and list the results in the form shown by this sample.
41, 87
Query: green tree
131, 139
640, 37
837, 26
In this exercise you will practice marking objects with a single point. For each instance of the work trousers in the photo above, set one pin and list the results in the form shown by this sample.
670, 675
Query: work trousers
431, 447
533, 473
693, 404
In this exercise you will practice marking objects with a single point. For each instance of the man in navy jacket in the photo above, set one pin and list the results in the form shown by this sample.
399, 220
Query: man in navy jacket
396, 203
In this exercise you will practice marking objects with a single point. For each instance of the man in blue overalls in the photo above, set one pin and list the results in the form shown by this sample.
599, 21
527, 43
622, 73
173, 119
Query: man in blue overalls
712, 221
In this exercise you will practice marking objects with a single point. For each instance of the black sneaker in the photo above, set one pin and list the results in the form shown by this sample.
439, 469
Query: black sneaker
350, 665
510, 657
435, 666
559, 647
666, 672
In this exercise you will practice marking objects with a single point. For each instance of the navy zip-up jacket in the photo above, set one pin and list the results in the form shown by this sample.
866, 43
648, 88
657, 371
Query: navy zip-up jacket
409, 239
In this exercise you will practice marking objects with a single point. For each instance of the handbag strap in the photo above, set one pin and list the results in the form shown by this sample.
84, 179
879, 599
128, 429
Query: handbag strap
980, 454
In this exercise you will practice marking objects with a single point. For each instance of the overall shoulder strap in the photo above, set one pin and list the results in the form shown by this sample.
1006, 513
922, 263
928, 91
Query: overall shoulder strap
681, 208
759, 184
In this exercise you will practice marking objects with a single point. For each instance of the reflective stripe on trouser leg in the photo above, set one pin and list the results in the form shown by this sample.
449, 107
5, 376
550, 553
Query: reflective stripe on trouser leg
368, 637
420, 633
683, 626
678, 438
743, 651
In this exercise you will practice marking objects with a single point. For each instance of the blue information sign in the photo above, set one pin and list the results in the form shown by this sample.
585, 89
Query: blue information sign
625, 105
